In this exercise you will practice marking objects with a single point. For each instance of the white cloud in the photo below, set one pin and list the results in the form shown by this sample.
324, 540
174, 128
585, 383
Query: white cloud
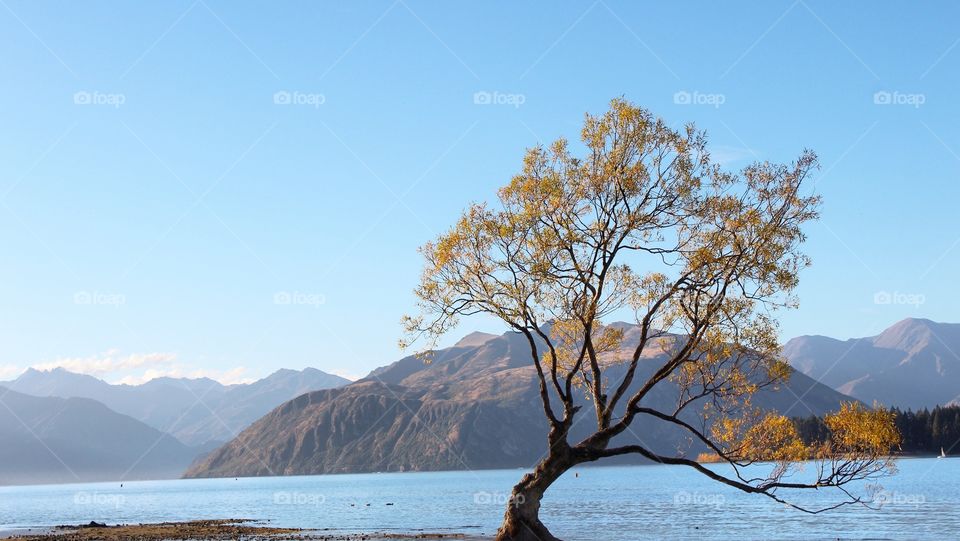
135, 368
9, 371
108, 362
345, 373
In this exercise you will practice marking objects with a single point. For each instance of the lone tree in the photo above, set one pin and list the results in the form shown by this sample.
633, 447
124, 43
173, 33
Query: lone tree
645, 224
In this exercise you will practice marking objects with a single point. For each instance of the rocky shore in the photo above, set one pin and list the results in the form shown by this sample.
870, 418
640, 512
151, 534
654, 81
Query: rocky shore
217, 530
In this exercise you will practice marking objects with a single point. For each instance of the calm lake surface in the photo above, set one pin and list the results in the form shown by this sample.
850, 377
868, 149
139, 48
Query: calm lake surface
617, 503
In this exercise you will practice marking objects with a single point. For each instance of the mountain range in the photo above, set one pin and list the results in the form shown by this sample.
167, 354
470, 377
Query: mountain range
199, 412
912, 364
57, 426
63, 440
475, 405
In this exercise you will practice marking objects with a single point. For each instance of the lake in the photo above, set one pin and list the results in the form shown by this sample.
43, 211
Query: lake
623, 502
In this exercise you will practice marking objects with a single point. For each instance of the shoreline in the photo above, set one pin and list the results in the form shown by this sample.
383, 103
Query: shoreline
581, 467
213, 530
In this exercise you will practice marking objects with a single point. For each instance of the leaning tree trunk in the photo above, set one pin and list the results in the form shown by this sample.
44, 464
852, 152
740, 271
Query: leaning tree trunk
521, 522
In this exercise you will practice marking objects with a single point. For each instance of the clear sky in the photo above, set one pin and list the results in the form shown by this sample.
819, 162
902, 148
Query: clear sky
203, 187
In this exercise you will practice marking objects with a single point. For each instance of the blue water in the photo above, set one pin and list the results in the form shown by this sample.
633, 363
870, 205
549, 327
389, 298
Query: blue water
617, 503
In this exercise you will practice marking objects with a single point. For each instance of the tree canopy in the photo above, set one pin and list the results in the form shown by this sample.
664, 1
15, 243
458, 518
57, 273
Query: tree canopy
637, 219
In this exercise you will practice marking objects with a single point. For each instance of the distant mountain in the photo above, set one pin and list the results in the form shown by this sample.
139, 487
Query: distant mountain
913, 364
476, 405
63, 440
197, 411
240, 405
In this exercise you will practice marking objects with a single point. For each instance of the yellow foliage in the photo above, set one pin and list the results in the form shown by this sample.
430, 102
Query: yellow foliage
708, 458
644, 222
856, 429
756, 437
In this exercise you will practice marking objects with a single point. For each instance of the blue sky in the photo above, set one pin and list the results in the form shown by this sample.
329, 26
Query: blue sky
203, 187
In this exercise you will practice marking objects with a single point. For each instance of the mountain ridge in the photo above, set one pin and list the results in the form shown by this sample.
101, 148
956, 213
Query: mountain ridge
197, 411
911, 364
473, 406
56, 440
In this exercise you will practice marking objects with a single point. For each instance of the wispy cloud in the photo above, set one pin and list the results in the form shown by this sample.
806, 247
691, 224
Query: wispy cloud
8, 371
109, 362
346, 373
133, 369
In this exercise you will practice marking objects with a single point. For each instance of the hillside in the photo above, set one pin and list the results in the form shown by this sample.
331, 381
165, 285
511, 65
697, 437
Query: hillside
199, 412
474, 406
62, 440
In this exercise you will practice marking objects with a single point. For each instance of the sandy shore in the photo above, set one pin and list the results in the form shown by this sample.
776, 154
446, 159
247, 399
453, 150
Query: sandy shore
217, 530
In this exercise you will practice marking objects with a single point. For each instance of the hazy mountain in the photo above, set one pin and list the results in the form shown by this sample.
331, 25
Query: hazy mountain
61, 440
913, 364
240, 405
164, 403
476, 405
198, 411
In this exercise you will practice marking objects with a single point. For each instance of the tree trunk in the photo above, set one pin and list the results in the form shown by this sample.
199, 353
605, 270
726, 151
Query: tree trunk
521, 522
